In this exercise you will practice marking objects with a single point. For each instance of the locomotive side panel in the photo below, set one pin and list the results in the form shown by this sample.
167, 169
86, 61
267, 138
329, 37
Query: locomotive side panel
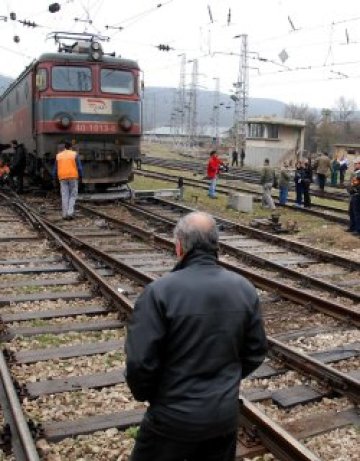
16, 112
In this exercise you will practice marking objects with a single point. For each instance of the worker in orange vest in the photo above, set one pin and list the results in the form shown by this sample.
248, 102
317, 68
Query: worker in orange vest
68, 170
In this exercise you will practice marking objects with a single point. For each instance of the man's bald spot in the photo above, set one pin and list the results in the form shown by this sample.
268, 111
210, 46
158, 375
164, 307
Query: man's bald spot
200, 220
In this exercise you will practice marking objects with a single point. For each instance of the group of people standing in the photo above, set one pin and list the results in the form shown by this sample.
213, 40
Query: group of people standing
13, 172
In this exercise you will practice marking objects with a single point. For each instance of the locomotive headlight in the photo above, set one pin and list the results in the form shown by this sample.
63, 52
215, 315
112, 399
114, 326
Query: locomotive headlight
125, 123
96, 55
95, 46
65, 121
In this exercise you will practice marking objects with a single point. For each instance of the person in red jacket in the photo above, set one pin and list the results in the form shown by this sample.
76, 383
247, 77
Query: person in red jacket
212, 172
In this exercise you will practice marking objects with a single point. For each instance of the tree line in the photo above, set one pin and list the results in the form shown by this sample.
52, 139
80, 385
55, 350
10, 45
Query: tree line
327, 127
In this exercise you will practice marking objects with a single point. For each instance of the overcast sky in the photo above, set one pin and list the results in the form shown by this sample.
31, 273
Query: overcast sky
325, 42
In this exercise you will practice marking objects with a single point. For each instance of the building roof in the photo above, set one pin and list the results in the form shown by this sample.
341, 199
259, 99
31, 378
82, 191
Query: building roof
207, 131
351, 146
277, 121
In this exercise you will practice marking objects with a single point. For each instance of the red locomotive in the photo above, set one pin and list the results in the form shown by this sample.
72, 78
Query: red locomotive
81, 95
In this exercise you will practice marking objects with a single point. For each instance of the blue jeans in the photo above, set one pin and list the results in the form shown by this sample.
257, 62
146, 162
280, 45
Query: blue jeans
212, 187
69, 192
283, 194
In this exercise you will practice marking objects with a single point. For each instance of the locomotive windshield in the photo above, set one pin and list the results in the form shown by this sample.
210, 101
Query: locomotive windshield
71, 78
117, 81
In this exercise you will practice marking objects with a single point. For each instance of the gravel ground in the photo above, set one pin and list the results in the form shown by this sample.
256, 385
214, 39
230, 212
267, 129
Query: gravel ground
326, 340
79, 319
288, 379
352, 364
299, 411
42, 276
110, 445
79, 404
22, 250
44, 289
64, 368
37, 306
68, 339
338, 445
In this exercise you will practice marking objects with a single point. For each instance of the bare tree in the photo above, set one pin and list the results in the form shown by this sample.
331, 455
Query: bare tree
310, 116
344, 109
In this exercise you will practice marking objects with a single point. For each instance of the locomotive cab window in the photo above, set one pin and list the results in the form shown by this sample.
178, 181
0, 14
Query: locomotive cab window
71, 78
117, 81
41, 79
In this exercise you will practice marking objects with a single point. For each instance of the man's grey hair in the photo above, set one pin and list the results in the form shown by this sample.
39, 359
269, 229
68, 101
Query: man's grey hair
197, 230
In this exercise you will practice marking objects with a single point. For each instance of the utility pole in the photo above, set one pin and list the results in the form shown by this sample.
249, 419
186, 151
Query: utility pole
192, 104
179, 105
241, 96
216, 110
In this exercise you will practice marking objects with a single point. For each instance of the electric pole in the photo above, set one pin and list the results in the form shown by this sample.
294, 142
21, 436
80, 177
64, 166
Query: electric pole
216, 110
241, 96
192, 104
179, 106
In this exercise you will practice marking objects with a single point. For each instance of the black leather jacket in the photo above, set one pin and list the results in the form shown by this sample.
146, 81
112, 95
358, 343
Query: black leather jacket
193, 335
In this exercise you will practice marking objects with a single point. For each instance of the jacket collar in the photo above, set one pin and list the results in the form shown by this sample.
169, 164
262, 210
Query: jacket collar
197, 256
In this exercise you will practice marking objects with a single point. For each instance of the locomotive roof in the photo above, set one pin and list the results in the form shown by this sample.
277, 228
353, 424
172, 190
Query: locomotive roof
69, 57
84, 57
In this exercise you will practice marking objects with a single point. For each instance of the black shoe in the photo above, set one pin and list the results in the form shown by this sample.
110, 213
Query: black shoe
349, 230
70, 218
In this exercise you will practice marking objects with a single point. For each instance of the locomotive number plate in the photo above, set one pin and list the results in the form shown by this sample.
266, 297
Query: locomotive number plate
95, 106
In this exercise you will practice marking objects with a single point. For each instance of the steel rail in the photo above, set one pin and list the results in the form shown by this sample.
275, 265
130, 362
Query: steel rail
322, 213
250, 177
267, 236
98, 282
274, 438
280, 443
308, 279
22, 441
291, 293
340, 382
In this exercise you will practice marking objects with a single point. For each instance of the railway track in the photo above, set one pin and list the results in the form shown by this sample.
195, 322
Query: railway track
327, 212
294, 312
246, 175
130, 256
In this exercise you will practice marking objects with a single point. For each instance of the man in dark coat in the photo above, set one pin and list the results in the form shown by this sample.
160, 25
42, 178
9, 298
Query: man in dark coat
194, 334
19, 164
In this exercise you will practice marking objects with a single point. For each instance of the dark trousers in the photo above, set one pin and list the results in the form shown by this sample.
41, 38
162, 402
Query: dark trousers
235, 161
153, 447
241, 162
342, 176
299, 189
354, 213
306, 191
321, 181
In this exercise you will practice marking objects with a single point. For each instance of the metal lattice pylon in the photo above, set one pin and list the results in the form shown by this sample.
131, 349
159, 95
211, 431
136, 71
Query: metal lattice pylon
178, 114
241, 96
192, 104
216, 110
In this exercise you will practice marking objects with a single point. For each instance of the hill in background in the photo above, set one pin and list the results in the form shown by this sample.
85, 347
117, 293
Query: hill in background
159, 102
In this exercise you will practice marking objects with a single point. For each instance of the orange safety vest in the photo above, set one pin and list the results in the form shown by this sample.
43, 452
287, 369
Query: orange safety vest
66, 165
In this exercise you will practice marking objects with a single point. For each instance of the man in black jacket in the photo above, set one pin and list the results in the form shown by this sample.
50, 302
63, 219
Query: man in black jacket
18, 165
194, 334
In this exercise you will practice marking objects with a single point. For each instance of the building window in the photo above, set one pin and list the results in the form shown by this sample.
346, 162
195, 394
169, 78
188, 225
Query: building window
273, 131
256, 130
